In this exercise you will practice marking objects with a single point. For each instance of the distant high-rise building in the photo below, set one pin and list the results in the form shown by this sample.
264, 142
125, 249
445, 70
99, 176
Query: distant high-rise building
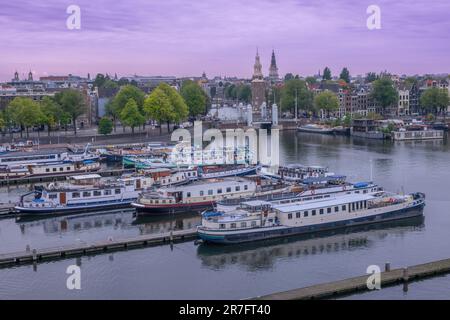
273, 70
258, 85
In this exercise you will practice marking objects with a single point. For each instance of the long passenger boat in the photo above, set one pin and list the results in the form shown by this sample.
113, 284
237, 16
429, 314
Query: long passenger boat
259, 220
82, 194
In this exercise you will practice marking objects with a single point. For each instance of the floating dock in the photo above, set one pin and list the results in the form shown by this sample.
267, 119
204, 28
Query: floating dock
81, 249
335, 289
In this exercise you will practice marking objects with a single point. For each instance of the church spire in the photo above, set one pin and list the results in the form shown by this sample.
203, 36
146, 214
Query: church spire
273, 70
257, 68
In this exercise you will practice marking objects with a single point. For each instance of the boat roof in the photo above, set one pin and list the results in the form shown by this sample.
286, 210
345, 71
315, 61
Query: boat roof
323, 179
34, 152
86, 176
208, 182
256, 203
313, 204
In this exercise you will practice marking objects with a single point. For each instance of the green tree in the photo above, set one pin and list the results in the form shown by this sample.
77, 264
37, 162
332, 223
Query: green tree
179, 109
371, 77
326, 101
384, 92
293, 90
131, 116
288, 76
195, 97
311, 80
25, 112
73, 104
244, 93
434, 100
157, 106
126, 93
53, 113
326, 74
345, 75
105, 126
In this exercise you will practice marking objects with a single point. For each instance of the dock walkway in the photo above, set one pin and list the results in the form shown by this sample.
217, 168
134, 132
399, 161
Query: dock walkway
38, 255
359, 284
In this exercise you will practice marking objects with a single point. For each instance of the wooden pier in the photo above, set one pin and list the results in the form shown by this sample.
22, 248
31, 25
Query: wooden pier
359, 284
110, 245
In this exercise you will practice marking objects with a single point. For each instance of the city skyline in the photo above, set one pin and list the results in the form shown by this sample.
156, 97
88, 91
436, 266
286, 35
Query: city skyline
181, 39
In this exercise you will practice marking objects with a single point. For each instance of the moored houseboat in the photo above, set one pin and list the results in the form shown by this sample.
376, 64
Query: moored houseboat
315, 128
295, 172
195, 196
260, 220
82, 194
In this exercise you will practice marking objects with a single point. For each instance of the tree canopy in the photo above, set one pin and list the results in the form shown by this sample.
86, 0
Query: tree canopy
434, 100
326, 74
384, 92
131, 116
292, 89
195, 97
73, 103
345, 75
326, 101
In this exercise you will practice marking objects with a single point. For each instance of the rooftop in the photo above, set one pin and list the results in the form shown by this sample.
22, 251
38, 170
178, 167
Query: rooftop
314, 204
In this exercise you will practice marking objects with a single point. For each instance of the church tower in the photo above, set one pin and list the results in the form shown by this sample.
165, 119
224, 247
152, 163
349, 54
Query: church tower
30, 76
273, 70
258, 85
16, 76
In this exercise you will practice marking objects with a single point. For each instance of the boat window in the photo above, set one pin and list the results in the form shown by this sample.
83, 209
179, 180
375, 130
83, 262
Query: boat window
328, 210
353, 206
238, 188
313, 212
117, 191
344, 207
305, 214
321, 211
297, 215
86, 194
201, 192
365, 204
47, 170
233, 225
219, 191
244, 225
229, 189
61, 169
107, 192
222, 226
97, 193
54, 169
327, 196
290, 216
68, 168
75, 194
52, 196
188, 194
253, 223
245, 187
210, 192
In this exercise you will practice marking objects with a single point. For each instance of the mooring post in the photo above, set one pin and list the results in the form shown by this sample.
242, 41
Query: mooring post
28, 248
171, 237
405, 275
387, 267
34, 255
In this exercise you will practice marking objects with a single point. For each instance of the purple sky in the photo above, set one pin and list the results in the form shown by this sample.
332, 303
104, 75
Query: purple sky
181, 37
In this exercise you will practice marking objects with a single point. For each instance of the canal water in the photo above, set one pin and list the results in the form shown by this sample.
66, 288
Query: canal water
187, 271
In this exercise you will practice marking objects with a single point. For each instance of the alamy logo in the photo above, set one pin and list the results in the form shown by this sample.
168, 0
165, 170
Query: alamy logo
238, 146
374, 280
74, 280
73, 22
374, 20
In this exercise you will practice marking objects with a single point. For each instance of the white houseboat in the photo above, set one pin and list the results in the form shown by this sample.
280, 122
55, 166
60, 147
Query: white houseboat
195, 196
259, 220
83, 193
295, 172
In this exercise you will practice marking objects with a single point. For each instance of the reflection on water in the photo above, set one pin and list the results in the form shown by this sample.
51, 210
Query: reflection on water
264, 254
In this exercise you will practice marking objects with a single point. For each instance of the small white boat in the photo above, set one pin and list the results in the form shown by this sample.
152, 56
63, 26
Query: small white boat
315, 128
